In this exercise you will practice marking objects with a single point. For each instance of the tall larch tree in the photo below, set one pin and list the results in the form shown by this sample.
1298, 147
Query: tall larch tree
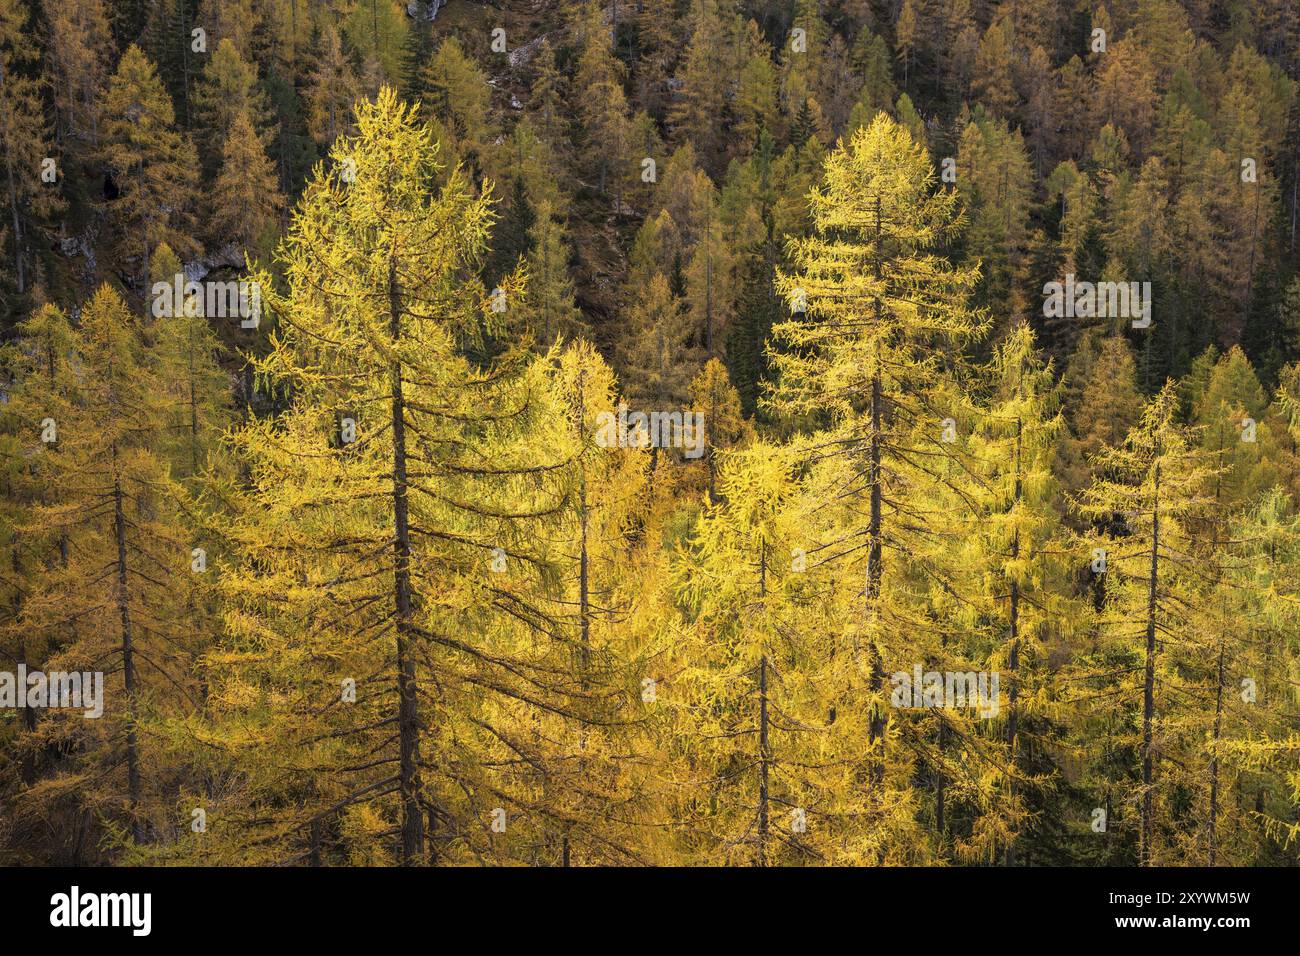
1147, 497
332, 88
153, 167
227, 87
874, 314
245, 201
418, 485
128, 558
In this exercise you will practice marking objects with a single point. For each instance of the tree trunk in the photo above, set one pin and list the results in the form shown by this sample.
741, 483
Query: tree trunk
584, 584
194, 414
708, 280
408, 717
31, 715
128, 661
1250, 270
876, 727
1013, 660
1149, 679
315, 859
1214, 761
762, 761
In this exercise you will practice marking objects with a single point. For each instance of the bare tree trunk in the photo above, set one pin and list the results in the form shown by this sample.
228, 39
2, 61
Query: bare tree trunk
1214, 761
408, 717
708, 279
194, 413
1250, 271
315, 842
128, 660
876, 726
31, 715
1013, 660
584, 583
1149, 679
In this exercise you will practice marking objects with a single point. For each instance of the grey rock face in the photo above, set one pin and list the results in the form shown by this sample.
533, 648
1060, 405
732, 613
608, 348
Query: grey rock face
423, 9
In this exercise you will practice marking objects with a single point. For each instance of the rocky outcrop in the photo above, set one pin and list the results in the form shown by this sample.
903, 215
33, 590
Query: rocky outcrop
424, 9
229, 256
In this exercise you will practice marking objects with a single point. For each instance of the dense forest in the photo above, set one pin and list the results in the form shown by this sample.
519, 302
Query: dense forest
674, 432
